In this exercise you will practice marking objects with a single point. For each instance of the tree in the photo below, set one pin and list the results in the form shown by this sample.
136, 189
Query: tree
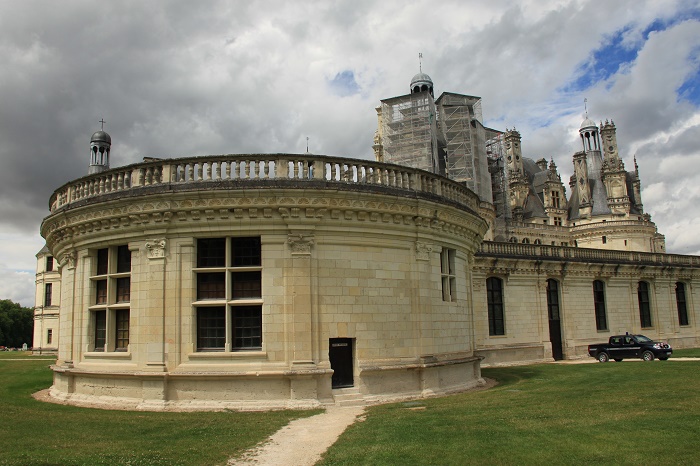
16, 324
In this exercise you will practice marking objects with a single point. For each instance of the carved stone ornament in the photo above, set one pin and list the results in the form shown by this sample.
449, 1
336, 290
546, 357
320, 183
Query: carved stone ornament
68, 260
155, 248
300, 243
423, 251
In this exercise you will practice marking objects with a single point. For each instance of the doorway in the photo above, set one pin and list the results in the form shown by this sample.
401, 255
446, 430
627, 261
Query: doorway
340, 356
554, 319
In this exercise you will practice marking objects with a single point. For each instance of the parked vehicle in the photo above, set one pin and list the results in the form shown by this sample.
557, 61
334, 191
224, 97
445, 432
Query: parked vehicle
628, 346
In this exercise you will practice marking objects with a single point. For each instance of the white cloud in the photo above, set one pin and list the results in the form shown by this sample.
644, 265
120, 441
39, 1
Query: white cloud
178, 79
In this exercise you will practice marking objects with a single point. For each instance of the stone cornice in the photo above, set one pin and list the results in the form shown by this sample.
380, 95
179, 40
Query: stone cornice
182, 210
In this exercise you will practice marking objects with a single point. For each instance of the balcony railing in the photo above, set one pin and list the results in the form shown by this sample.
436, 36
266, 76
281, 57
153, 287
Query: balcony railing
544, 252
261, 169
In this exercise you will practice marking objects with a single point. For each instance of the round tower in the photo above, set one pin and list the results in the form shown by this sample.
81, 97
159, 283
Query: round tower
100, 144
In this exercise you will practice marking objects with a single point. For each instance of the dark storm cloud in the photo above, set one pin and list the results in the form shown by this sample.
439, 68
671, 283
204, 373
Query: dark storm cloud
182, 78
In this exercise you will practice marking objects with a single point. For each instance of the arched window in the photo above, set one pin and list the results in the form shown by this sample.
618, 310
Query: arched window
494, 297
513, 239
601, 319
526, 241
680, 303
644, 304
538, 241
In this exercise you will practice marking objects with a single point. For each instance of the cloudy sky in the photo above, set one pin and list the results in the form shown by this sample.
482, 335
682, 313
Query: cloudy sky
182, 78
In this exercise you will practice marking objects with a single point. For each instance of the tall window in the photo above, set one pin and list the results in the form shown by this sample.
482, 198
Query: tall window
601, 319
229, 294
48, 290
111, 288
49, 336
447, 271
681, 304
49, 263
644, 305
494, 298
553, 299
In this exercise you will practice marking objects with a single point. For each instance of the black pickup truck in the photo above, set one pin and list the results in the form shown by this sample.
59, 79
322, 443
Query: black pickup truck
627, 346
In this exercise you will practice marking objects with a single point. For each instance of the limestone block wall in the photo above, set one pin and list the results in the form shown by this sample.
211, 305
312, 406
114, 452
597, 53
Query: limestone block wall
525, 305
360, 264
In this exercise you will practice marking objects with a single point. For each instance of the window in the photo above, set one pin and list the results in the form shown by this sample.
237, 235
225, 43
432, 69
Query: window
122, 317
494, 298
553, 299
557, 221
123, 259
101, 292
111, 285
49, 263
555, 199
48, 289
680, 304
644, 305
229, 294
601, 319
100, 325
605, 239
49, 336
447, 271
123, 290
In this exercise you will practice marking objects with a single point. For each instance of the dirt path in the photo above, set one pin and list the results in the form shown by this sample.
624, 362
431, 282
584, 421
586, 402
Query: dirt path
303, 441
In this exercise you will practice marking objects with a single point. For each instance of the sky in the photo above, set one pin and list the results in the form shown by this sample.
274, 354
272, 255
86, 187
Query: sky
182, 78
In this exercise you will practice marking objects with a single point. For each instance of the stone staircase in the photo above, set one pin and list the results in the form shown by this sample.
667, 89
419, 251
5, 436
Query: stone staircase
346, 397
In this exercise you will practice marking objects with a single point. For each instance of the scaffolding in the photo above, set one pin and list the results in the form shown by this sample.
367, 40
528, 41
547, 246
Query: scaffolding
409, 133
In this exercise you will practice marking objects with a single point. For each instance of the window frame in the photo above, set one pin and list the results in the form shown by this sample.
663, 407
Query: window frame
48, 294
644, 301
601, 314
239, 295
683, 320
110, 291
448, 274
495, 307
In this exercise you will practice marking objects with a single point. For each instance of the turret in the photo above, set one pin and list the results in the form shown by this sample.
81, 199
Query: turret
613, 173
100, 144
517, 182
580, 179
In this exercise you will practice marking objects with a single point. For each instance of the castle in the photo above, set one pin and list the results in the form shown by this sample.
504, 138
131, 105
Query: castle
298, 280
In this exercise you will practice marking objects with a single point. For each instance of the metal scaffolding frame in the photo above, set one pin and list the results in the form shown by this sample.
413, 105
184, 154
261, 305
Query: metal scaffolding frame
409, 131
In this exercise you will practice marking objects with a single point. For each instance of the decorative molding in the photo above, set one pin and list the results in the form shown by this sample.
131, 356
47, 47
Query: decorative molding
300, 243
68, 260
155, 248
423, 251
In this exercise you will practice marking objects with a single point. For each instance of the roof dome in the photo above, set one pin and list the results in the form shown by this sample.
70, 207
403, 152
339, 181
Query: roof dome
101, 136
421, 78
588, 123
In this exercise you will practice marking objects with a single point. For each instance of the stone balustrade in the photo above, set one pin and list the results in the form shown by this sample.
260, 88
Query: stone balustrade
261, 169
541, 251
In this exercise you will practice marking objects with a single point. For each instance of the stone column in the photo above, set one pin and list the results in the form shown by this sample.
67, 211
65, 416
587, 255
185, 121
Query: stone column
299, 302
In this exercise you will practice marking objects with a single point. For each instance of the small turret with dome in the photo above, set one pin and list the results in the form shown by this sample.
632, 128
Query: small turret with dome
421, 82
100, 145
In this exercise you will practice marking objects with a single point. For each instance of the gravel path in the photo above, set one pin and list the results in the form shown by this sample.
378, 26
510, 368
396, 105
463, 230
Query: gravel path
303, 441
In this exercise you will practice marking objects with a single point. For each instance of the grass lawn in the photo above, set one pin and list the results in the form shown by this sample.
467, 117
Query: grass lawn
686, 353
36, 433
614, 413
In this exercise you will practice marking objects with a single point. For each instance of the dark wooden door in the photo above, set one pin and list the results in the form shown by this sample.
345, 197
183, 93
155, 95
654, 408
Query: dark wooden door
340, 355
554, 319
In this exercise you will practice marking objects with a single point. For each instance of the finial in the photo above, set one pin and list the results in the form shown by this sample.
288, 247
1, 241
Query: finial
307, 144
103, 123
585, 106
420, 62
